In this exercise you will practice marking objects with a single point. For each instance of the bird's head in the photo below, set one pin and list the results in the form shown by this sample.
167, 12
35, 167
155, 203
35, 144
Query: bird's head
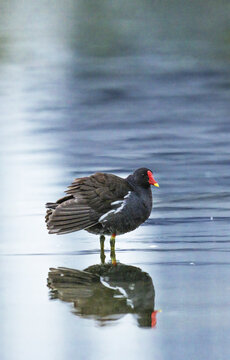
144, 177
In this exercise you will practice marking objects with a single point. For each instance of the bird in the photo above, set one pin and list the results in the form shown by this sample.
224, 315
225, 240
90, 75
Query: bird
103, 204
106, 293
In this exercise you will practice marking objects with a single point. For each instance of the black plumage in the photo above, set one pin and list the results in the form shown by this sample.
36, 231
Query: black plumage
103, 204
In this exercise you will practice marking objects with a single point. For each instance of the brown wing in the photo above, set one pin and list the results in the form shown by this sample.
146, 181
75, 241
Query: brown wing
69, 216
88, 198
99, 190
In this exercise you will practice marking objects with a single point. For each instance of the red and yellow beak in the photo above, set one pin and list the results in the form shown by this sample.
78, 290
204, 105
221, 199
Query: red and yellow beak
152, 181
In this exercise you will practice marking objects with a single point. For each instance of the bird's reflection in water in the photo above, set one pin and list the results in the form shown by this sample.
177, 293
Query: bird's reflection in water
106, 292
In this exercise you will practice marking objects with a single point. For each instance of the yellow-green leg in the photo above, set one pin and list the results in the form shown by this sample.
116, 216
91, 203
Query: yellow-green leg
112, 249
102, 241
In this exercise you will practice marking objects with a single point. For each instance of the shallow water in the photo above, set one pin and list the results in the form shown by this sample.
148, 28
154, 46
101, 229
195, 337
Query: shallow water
102, 86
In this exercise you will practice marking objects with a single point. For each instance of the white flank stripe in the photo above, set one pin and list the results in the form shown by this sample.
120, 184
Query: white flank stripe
120, 207
121, 290
104, 216
126, 196
117, 202
122, 202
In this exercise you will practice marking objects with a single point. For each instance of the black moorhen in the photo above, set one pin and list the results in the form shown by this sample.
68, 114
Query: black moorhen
106, 292
103, 204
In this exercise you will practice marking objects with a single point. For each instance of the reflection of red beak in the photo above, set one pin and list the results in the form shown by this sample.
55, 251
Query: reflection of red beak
154, 318
152, 181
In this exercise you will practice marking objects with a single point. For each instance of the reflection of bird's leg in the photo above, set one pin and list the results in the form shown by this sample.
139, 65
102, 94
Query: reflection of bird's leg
112, 249
102, 241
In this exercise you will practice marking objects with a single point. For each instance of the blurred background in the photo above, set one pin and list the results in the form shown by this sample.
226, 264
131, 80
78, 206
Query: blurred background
95, 85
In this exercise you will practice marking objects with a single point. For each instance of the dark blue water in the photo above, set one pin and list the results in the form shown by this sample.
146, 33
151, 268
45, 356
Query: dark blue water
112, 86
